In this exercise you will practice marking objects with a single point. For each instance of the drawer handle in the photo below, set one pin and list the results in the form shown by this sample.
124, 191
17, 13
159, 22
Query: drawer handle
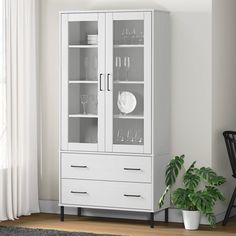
78, 166
132, 169
78, 192
131, 195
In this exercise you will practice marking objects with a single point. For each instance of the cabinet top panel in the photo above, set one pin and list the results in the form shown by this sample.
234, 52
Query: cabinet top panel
118, 10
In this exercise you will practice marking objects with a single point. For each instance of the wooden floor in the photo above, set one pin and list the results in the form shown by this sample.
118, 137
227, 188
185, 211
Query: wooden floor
119, 227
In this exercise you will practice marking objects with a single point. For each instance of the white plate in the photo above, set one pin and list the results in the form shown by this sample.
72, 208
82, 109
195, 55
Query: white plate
126, 102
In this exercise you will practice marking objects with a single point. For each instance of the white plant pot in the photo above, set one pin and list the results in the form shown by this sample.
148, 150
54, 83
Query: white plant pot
191, 219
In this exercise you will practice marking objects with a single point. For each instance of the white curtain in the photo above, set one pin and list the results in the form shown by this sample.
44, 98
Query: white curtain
18, 109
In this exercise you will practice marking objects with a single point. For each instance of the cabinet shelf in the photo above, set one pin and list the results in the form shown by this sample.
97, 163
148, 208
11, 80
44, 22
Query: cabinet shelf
128, 82
83, 116
84, 46
83, 82
128, 45
137, 117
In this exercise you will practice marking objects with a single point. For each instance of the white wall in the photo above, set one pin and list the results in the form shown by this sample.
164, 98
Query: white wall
224, 85
191, 79
191, 86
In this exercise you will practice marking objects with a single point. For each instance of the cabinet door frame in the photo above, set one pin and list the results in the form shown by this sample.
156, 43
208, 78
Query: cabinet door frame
64, 85
146, 16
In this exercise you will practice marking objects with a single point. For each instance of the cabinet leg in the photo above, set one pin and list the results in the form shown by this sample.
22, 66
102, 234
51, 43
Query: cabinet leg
166, 215
152, 219
79, 211
62, 213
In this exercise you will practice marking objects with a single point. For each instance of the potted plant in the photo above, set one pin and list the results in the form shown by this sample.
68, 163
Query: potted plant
198, 194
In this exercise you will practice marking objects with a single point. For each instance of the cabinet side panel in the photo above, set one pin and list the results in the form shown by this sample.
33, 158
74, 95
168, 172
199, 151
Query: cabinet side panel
64, 82
161, 91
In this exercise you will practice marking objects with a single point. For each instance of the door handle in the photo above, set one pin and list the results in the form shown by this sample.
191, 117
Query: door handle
108, 82
100, 82
131, 195
78, 166
78, 192
132, 168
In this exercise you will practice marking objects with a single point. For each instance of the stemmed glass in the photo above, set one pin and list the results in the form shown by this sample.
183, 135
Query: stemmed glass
133, 36
127, 66
141, 39
126, 36
118, 66
84, 101
139, 137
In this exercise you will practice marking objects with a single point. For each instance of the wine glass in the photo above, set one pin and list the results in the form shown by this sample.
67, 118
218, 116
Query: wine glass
141, 39
133, 36
118, 66
129, 136
127, 66
123, 36
84, 101
140, 137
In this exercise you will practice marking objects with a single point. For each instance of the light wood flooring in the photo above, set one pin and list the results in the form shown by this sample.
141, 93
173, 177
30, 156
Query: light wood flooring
118, 227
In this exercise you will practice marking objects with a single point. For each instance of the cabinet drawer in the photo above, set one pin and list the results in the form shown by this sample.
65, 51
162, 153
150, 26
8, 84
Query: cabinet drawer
106, 194
116, 168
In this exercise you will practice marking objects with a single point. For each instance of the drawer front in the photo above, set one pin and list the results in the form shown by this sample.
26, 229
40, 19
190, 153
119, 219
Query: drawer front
115, 168
106, 194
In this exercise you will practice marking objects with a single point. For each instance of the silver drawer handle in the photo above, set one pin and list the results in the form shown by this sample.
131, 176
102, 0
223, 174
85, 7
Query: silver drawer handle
78, 166
132, 168
131, 195
78, 192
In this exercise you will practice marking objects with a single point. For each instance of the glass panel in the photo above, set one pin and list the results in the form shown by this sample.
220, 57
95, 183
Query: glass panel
128, 32
83, 33
83, 130
128, 89
83, 99
83, 64
83, 82
128, 64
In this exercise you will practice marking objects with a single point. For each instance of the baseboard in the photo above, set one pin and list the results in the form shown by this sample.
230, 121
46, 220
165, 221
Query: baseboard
175, 215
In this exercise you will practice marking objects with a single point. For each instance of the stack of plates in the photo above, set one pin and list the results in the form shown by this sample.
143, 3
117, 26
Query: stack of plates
92, 38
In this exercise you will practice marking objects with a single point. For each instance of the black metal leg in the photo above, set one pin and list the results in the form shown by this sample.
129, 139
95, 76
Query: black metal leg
231, 204
62, 213
166, 215
79, 211
152, 220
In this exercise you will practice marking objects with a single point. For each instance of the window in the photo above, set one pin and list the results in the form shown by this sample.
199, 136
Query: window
3, 127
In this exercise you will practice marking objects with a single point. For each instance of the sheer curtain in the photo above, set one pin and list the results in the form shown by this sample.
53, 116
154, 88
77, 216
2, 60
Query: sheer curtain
18, 109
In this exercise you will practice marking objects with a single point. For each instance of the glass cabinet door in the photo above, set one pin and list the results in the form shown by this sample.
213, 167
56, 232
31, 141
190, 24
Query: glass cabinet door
129, 78
82, 88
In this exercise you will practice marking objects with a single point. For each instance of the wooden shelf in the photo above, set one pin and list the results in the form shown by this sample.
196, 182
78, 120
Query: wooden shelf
137, 117
83, 116
83, 82
128, 82
128, 45
83, 46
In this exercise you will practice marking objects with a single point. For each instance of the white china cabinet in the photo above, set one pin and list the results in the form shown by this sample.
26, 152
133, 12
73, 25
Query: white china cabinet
114, 109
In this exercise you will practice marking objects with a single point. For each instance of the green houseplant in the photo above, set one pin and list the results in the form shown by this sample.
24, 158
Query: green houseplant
200, 188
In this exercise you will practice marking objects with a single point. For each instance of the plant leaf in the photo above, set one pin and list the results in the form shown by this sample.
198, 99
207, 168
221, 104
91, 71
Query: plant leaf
211, 218
215, 193
210, 176
172, 170
203, 201
180, 199
190, 179
162, 198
